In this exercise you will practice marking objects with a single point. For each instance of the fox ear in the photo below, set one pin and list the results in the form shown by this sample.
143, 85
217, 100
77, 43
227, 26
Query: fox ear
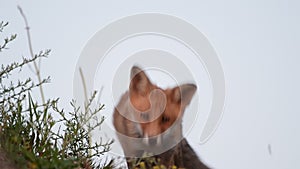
183, 94
139, 82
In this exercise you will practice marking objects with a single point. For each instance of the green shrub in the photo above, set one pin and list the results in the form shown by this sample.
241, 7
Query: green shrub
27, 127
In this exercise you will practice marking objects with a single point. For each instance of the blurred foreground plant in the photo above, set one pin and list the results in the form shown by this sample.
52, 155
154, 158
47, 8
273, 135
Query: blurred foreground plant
31, 137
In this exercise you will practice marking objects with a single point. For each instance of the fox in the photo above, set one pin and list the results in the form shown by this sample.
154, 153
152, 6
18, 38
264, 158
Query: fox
148, 119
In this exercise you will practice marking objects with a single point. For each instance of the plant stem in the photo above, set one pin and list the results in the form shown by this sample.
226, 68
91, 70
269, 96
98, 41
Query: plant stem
37, 69
85, 103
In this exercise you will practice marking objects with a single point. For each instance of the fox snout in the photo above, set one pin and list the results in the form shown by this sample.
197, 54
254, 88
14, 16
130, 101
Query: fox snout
151, 134
152, 141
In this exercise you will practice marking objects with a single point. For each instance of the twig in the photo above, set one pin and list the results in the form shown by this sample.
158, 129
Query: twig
36, 67
84, 86
85, 102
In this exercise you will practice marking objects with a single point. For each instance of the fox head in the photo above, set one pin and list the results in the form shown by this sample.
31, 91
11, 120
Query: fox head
157, 110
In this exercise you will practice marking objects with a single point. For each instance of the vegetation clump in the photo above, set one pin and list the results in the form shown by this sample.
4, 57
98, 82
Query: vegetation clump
36, 134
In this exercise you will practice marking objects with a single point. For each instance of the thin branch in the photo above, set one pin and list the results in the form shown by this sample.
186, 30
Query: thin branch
84, 86
86, 101
37, 69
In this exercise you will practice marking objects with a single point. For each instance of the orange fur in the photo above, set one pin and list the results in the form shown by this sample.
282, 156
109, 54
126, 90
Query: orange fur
148, 112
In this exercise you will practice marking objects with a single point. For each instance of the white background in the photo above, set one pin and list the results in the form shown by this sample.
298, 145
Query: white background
257, 43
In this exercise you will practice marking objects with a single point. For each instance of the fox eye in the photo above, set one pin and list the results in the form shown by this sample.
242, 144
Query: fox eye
165, 119
145, 115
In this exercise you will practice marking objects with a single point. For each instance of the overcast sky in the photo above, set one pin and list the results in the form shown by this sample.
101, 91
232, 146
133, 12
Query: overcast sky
257, 43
